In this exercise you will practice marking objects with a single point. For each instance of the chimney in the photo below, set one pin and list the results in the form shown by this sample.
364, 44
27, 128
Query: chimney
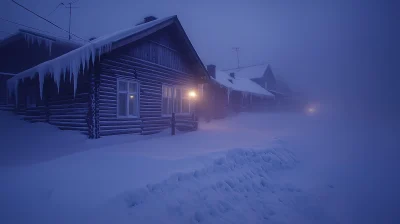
232, 75
146, 20
149, 18
211, 70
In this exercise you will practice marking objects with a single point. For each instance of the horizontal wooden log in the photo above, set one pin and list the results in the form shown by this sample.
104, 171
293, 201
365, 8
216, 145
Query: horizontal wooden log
159, 128
142, 65
104, 123
156, 125
145, 76
66, 116
72, 128
151, 64
69, 105
119, 127
102, 92
152, 132
120, 131
74, 120
104, 98
68, 110
68, 124
108, 85
120, 119
108, 89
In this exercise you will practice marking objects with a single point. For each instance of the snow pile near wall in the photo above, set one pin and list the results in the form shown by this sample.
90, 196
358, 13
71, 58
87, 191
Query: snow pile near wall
77, 59
240, 84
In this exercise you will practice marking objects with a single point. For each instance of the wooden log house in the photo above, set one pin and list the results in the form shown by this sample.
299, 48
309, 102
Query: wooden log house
132, 82
227, 93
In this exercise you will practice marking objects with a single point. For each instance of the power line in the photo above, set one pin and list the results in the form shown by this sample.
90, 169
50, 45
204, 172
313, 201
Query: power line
55, 9
70, 13
33, 28
45, 19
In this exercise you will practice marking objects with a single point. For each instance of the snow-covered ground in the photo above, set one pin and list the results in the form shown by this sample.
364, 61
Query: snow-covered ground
252, 168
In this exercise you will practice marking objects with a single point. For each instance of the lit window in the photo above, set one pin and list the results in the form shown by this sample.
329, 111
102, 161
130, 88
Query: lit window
176, 99
167, 99
186, 102
128, 98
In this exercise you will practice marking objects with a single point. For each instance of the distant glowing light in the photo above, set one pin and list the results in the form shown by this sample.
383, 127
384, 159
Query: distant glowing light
192, 94
131, 96
311, 109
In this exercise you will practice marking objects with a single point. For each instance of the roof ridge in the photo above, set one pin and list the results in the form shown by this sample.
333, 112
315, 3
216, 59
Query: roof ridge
247, 66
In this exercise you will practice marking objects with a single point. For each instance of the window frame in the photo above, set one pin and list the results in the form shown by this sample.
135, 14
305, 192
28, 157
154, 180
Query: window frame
137, 93
173, 88
169, 102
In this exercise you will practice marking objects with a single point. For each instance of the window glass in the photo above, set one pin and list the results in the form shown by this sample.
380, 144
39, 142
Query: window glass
128, 98
133, 105
177, 100
122, 101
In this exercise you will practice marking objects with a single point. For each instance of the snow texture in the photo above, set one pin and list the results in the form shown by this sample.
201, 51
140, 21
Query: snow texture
234, 170
77, 59
250, 72
244, 85
236, 188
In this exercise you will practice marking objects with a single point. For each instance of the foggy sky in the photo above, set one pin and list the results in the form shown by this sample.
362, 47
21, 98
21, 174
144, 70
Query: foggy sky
343, 50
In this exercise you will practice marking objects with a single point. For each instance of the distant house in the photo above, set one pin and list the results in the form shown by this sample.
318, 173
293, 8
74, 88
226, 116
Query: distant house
130, 81
262, 75
228, 92
25, 49
3, 87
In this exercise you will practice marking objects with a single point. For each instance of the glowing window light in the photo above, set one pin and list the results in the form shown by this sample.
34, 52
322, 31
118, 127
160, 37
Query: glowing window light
192, 94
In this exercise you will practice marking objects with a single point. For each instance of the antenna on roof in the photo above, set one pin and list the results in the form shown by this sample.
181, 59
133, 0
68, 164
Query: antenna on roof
237, 55
70, 7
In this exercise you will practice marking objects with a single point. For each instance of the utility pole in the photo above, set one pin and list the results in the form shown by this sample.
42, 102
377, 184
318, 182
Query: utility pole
70, 7
70, 15
237, 55
70, 12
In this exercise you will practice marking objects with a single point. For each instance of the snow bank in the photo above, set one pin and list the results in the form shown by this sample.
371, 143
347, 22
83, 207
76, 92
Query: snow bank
79, 58
240, 84
236, 188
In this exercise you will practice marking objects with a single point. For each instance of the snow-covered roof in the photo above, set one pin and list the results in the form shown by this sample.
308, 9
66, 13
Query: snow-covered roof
36, 37
6, 73
240, 84
249, 72
73, 60
281, 87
